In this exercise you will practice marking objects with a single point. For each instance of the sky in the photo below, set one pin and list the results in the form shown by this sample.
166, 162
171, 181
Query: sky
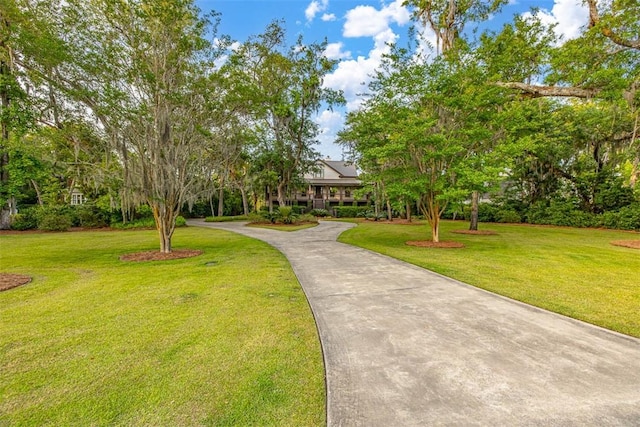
357, 32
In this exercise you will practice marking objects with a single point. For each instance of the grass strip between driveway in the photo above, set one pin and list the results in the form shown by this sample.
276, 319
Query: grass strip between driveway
575, 272
224, 338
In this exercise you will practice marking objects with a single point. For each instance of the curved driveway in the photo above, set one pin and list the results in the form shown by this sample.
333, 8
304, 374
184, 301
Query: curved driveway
404, 346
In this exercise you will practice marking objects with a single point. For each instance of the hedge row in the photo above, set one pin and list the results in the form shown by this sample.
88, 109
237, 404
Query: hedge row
558, 213
62, 218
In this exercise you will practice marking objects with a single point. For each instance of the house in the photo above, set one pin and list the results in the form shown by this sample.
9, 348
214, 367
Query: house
333, 183
77, 197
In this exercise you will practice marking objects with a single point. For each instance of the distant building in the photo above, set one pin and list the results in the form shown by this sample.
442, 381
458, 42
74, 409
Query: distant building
77, 197
333, 183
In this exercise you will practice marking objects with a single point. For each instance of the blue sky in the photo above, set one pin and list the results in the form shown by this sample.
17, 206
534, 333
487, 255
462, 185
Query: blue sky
357, 32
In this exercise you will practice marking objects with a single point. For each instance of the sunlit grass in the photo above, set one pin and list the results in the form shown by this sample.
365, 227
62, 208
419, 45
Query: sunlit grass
225, 338
575, 272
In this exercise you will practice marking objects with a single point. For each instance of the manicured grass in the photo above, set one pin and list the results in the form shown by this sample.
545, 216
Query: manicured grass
575, 272
222, 339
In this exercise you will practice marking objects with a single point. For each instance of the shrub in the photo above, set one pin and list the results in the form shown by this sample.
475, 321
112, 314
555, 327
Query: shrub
348, 211
299, 210
307, 218
319, 212
488, 212
27, 219
55, 219
256, 218
506, 215
627, 218
180, 221
138, 223
371, 214
91, 216
286, 215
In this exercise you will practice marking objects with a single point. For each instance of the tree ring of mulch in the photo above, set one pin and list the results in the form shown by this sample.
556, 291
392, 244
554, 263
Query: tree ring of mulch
10, 281
447, 244
633, 244
476, 232
161, 256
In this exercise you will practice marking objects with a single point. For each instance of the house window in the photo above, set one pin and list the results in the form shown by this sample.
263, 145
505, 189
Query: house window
318, 173
77, 199
332, 192
347, 193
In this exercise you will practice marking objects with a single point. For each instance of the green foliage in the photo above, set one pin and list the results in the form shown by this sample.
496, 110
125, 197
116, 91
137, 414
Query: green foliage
298, 210
319, 213
258, 218
627, 218
371, 214
507, 216
27, 219
91, 216
349, 211
55, 218
286, 215
141, 223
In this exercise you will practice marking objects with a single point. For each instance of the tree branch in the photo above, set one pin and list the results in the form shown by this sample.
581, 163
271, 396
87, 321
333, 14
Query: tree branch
541, 91
594, 19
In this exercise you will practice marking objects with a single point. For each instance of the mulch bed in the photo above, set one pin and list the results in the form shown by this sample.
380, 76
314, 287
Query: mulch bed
10, 281
476, 232
633, 244
429, 244
160, 256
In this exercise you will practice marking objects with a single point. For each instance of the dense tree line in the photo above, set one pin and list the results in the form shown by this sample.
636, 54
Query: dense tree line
467, 117
143, 103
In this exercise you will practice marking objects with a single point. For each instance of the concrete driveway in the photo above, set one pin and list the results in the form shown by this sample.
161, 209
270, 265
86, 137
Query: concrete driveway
404, 346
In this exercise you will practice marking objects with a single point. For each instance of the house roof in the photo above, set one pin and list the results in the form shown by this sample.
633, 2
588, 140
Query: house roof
344, 169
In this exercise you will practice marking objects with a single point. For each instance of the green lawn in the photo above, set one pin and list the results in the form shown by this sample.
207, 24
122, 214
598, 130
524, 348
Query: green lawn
222, 339
576, 272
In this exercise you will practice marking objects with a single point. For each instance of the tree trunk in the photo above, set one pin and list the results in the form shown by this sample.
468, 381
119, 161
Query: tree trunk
245, 201
435, 229
473, 225
389, 211
5, 213
281, 198
431, 210
268, 199
221, 201
408, 211
38, 194
165, 219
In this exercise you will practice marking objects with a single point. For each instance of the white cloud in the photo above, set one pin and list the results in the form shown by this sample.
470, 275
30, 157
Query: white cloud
327, 17
352, 75
330, 122
569, 15
334, 51
367, 21
314, 8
